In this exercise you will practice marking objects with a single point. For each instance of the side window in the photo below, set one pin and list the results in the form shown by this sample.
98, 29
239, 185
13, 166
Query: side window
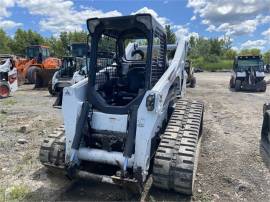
158, 57
48, 52
44, 52
136, 49
106, 48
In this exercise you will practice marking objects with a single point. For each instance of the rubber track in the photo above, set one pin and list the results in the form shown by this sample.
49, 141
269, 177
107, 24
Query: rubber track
52, 150
175, 161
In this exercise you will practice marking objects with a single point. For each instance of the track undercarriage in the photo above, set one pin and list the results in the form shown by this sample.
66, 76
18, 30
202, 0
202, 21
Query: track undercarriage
175, 161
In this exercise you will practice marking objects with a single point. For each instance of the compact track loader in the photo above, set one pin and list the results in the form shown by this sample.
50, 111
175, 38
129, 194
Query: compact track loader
74, 61
8, 77
129, 119
248, 74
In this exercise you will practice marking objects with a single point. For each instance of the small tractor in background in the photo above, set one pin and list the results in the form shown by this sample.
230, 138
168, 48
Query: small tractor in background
72, 70
248, 74
8, 77
129, 119
38, 67
191, 79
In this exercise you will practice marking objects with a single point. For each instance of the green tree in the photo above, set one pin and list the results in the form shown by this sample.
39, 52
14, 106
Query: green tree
78, 36
230, 54
192, 47
23, 38
4, 42
56, 48
33, 38
203, 47
216, 46
171, 38
266, 57
253, 51
227, 43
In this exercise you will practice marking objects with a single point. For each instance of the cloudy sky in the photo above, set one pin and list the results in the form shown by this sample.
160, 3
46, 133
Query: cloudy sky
247, 22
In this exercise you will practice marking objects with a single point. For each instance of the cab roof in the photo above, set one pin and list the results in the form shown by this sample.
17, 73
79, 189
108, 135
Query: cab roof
115, 26
246, 57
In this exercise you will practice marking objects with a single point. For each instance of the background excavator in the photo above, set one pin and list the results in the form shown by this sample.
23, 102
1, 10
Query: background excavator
38, 67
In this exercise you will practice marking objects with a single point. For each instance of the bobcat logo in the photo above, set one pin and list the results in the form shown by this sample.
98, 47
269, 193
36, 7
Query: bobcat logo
67, 93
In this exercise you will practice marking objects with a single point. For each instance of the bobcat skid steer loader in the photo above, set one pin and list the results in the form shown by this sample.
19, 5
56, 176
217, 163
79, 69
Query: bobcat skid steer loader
129, 119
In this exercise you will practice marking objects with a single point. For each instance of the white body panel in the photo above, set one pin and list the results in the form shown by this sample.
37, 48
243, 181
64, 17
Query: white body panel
109, 122
241, 74
6, 66
73, 98
77, 76
148, 123
12, 75
260, 74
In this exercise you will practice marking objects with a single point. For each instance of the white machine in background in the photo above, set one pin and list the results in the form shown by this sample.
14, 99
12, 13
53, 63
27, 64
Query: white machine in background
72, 70
8, 77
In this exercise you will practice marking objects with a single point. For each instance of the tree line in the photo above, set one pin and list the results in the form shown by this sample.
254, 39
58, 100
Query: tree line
22, 38
202, 50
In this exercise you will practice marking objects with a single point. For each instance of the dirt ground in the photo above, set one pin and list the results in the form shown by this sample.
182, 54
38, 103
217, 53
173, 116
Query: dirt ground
232, 165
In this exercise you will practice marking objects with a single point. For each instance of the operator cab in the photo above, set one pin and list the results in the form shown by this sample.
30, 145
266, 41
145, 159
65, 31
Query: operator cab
248, 63
70, 65
117, 83
79, 49
37, 52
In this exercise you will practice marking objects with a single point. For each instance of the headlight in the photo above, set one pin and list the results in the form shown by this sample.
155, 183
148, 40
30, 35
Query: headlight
150, 102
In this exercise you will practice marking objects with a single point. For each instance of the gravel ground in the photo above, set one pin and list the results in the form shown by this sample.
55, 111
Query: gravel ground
232, 165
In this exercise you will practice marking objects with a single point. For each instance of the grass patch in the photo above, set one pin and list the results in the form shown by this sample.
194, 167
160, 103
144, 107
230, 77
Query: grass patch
221, 65
27, 158
9, 102
18, 192
18, 169
2, 143
2, 194
203, 197
2, 117
213, 66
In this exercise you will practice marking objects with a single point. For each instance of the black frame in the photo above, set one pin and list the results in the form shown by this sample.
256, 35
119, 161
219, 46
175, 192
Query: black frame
116, 27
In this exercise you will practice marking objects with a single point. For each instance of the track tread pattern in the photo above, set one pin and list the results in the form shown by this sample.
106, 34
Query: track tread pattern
52, 150
175, 160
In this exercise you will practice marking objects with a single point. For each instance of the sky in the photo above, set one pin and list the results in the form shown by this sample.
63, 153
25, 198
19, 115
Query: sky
246, 22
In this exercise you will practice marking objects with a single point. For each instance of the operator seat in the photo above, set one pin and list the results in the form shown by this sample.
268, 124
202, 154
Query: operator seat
136, 79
